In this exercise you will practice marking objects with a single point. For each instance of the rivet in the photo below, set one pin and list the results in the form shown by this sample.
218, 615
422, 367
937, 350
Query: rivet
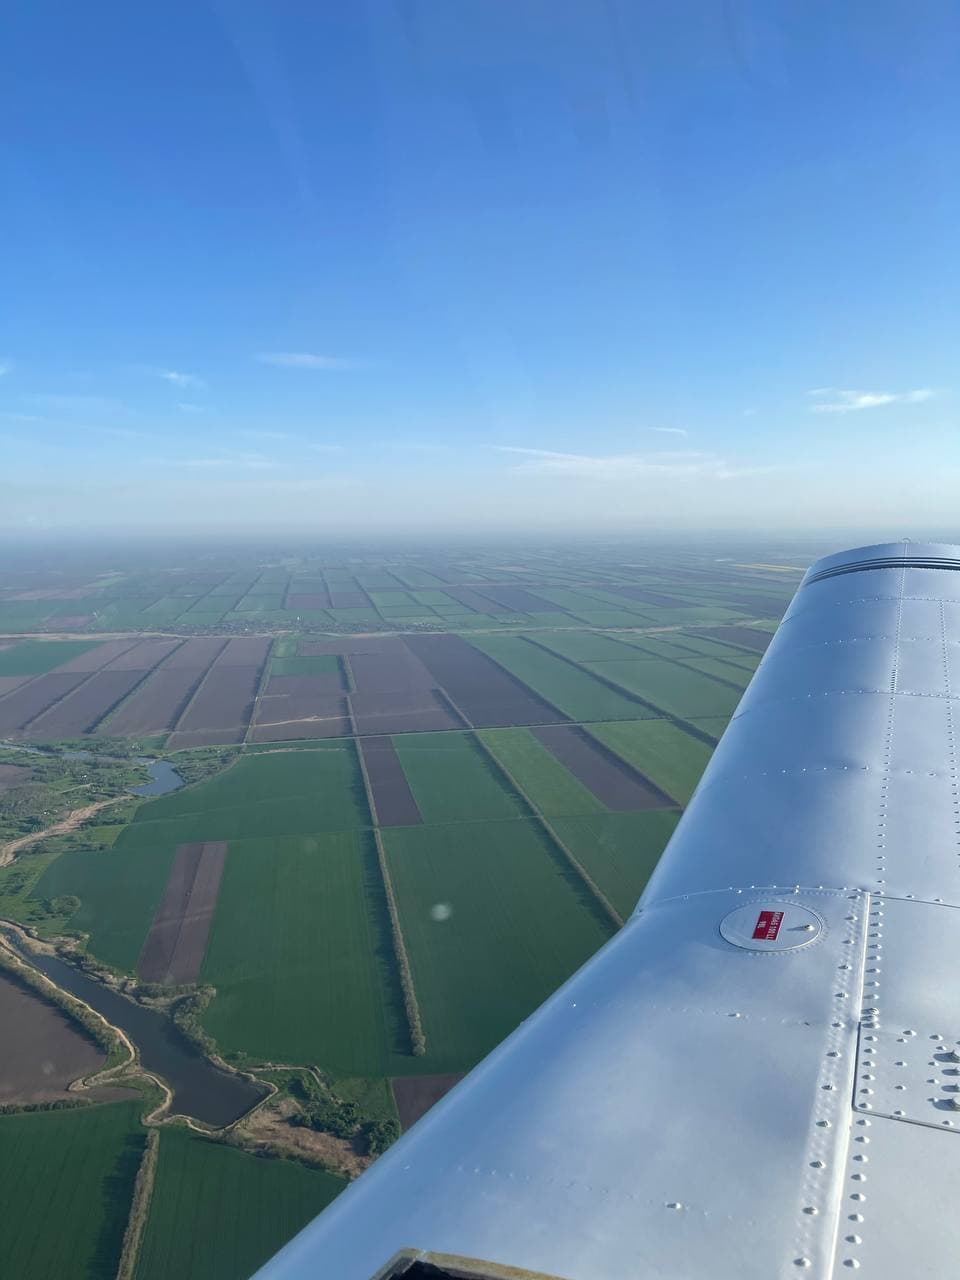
674, 1204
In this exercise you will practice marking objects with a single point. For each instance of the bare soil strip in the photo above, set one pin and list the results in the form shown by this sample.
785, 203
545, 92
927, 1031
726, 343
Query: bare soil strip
392, 797
415, 1095
614, 783
175, 946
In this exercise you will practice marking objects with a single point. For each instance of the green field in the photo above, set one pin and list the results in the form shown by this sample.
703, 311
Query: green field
618, 850
678, 690
674, 760
549, 785
584, 646
219, 1214
33, 657
519, 923
274, 794
572, 689
66, 1181
300, 954
323, 664
452, 780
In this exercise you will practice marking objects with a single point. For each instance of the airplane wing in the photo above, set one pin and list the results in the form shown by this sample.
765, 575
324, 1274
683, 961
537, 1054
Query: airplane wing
759, 1076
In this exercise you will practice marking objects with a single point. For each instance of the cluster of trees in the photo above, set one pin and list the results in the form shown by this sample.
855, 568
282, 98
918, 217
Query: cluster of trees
322, 1110
58, 1104
186, 1016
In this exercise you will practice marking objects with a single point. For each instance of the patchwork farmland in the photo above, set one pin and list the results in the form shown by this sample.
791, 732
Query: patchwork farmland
420, 792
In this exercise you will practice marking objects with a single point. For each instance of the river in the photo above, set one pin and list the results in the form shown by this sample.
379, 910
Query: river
199, 1088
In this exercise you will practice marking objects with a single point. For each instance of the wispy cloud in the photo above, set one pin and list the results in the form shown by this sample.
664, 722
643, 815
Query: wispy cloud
306, 360
836, 400
671, 431
186, 406
173, 376
629, 466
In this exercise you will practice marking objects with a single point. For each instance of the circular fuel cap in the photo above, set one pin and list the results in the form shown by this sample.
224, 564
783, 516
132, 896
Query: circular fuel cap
771, 925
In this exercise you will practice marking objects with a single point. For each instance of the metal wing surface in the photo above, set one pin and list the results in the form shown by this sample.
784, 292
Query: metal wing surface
759, 1076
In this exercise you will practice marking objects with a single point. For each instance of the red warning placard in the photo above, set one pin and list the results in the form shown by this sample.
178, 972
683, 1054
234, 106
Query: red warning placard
768, 926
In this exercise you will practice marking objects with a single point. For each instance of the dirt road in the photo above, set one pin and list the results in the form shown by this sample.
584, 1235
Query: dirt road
70, 823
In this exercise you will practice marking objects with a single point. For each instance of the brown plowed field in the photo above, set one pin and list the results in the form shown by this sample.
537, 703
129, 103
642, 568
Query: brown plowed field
612, 781
470, 600
226, 696
13, 775
349, 645
247, 651
19, 707
175, 945
157, 706
486, 694
45, 1054
96, 658
746, 637
415, 1095
402, 711
306, 704
144, 656
89, 703
517, 600
195, 654
392, 796
389, 671
304, 686
8, 683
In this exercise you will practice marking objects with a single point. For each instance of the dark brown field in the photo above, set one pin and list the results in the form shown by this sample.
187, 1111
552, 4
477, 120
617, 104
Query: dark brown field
9, 683
224, 700
612, 781
517, 600
45, 1054
395, 693
175, 945
203, 738
13, 775
96, 658
86, 705
301, 707
159, 703
20, 707
415, 1095
144, 656
392, 796
487, 695
745, 637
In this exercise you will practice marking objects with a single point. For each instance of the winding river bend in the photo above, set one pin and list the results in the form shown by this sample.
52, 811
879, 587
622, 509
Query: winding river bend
199, 1088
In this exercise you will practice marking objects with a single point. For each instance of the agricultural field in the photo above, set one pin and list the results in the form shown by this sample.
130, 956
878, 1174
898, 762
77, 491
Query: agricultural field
78, 1165
219, 1214
415, 792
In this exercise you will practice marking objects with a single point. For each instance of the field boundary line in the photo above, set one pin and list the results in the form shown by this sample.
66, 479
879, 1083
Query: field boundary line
601, 899
28, 724
139, 1207
512, 675
261, 685
601, 679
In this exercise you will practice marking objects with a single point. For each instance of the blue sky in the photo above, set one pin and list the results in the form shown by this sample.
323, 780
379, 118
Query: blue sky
480, 264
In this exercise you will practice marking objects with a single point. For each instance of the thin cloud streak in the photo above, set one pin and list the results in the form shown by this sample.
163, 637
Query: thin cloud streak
307, 360
630, 466
173, 376
836, 400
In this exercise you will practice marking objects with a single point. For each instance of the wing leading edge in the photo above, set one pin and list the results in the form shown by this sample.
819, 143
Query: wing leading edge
760, 1074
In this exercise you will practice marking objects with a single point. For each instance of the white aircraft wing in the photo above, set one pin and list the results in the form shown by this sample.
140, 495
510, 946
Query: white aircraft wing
759, 1076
